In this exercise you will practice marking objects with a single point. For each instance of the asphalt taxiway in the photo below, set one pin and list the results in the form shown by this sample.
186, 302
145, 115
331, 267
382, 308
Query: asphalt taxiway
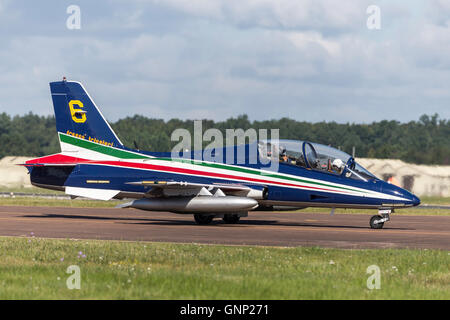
259, 228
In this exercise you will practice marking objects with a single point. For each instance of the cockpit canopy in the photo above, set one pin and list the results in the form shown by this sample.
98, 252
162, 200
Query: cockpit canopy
313, 156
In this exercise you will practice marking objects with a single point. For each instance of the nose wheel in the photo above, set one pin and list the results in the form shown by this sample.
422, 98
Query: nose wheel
377, 222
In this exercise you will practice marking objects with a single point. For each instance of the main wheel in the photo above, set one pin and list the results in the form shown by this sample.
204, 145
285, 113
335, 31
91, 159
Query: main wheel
231, 218
203, 218
374, 224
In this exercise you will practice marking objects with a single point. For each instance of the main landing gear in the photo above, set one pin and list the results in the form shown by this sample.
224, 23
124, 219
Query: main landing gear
203, 218
229, 218
377, 222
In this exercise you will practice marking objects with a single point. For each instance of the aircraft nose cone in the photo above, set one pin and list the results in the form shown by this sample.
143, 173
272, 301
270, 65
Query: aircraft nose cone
415, 200
412, 199
409, 198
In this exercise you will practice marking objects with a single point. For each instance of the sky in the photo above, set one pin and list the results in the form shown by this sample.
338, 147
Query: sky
309, 60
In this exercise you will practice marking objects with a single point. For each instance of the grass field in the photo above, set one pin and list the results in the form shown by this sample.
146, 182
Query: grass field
35, 268
31, 190
435, 200
76, 203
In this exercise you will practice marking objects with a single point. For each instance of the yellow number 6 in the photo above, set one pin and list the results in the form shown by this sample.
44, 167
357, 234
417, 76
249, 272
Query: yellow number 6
75, 112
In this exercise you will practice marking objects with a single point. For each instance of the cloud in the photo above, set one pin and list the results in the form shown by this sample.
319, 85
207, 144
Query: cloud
309, 60
304, 40
281, 14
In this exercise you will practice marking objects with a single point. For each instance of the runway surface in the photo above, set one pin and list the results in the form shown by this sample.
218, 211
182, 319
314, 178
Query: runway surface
259, 228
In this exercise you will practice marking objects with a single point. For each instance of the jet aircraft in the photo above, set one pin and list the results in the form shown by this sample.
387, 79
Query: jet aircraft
94, 163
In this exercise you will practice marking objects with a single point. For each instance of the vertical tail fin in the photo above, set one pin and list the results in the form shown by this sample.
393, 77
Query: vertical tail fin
78, 118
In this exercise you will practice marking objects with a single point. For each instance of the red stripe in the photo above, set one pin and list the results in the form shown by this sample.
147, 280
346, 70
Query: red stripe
190, 171
63, 159
56, 159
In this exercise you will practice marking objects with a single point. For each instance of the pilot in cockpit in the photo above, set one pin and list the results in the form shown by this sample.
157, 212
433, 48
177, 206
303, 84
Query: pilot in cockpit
300, 161
283, 154
338, 165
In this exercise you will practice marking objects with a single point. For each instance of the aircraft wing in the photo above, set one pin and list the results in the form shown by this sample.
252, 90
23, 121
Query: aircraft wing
181, 184
183, 188
98, 194
189, 197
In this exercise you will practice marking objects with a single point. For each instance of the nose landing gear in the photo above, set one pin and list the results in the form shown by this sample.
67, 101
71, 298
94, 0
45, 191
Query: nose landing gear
377, 222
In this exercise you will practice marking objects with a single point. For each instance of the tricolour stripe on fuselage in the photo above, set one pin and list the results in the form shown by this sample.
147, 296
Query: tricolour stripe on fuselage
115, 157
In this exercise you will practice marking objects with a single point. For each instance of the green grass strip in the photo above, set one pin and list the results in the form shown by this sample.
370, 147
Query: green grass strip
35, 268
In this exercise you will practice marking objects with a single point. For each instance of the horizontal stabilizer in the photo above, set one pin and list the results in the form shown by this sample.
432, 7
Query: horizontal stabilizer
97, 194
48, 164
54, 160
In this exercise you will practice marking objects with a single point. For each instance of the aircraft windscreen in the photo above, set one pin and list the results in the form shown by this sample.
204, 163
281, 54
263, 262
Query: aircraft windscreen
313, 155
357, 171
330, 159
335, 161
317, 156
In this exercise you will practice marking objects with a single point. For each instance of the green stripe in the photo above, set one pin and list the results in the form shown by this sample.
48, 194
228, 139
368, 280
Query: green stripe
250, 171
122, 154
100, 148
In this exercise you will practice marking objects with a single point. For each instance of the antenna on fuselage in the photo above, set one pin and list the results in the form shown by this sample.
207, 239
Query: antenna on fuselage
135, 145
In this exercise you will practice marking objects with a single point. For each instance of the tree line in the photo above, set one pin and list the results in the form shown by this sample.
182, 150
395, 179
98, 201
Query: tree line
425, 141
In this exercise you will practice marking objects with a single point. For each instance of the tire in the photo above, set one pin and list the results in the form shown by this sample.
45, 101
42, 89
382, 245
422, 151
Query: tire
374, 225
231, 218
203, 218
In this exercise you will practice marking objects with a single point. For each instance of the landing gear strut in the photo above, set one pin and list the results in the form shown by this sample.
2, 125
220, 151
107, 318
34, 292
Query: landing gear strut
231, 218
203, 218
377, 222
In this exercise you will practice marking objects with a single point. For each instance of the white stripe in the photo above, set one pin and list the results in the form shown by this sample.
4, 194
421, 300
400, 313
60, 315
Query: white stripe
309, 182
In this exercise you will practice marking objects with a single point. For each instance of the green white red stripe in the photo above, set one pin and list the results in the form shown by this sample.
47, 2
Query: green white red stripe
97, 154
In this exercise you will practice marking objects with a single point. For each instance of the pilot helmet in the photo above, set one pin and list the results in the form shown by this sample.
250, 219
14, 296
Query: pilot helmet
338, 164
